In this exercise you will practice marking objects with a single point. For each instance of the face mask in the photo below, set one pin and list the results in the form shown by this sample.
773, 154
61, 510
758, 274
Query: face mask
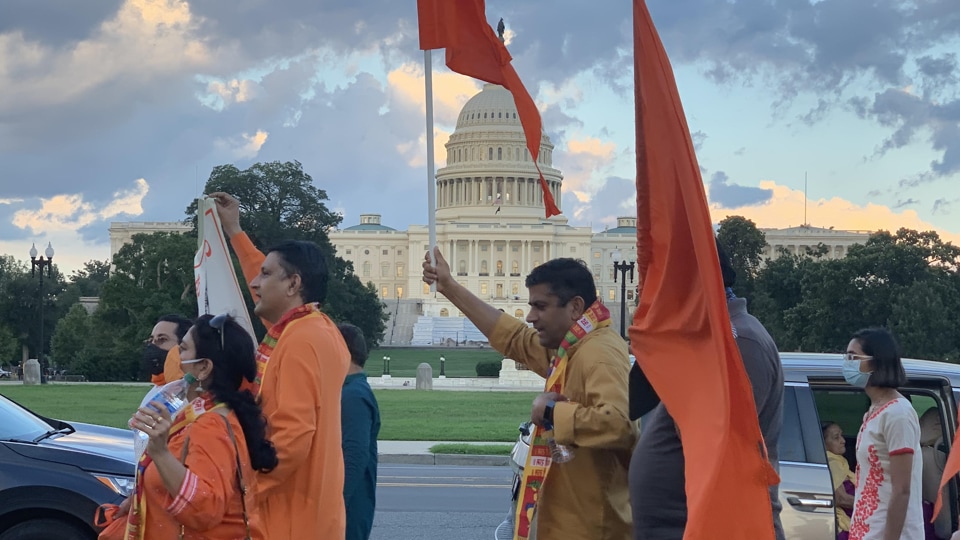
853, 375
153, 358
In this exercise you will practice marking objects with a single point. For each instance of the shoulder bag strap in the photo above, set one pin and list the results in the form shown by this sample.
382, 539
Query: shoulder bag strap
243, 486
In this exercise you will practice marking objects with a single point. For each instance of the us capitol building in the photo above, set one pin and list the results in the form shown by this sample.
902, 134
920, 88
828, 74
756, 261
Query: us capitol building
491, 229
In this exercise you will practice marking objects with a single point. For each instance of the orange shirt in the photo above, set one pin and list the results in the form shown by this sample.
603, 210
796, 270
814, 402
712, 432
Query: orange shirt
300, 396
208, 504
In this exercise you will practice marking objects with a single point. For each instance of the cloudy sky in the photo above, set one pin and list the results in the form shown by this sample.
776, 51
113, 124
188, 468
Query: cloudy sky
114, 110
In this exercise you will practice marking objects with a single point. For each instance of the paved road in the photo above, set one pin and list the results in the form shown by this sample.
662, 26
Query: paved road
416, 502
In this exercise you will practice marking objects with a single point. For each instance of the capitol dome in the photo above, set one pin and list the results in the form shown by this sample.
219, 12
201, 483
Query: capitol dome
488, 166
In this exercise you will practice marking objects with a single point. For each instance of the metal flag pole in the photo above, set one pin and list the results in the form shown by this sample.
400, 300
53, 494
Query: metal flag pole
431, 173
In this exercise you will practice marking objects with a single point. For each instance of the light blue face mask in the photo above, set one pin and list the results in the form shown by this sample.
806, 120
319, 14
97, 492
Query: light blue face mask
853, 375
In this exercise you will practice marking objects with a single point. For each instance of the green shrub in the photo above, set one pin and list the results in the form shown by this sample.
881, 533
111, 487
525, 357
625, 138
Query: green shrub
488, 369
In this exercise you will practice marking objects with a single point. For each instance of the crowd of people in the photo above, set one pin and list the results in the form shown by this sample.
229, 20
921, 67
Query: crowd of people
280, 440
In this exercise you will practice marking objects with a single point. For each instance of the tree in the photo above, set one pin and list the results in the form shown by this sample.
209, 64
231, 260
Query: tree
744, 244
70, 339
278, 201
85, 282
153, 276
20, 302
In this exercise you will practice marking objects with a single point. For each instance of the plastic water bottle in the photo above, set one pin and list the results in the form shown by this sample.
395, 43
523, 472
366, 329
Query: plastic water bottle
173, 396
558, 452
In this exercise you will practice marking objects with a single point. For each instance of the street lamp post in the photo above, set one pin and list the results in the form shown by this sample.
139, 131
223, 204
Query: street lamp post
442, 362
40, 262
622, 268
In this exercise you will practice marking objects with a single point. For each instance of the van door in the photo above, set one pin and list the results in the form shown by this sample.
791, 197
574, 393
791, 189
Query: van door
806, 492
837, 402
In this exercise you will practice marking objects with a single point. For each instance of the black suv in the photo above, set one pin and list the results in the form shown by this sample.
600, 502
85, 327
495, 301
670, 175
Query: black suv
54, 474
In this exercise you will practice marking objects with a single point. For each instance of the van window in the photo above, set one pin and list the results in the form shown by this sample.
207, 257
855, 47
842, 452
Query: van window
790, 446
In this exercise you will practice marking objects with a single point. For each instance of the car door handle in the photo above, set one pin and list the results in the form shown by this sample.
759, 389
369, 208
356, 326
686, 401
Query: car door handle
810, 503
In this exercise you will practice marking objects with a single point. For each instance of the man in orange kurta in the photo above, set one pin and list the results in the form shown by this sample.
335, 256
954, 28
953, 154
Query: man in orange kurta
300, 387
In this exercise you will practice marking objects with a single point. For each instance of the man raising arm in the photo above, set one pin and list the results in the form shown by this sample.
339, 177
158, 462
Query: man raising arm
585, 405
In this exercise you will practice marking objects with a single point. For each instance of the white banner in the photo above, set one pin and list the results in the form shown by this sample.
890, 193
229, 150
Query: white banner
217, 288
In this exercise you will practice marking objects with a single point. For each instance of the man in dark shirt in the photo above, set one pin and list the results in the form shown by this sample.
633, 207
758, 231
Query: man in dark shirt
360, 418
657, 484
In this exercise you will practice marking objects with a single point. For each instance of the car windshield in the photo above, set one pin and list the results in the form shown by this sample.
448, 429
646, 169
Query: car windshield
16, 423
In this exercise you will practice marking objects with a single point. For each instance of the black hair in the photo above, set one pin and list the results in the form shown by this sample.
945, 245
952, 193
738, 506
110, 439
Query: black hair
356, 343
307, 261
726, 267
234, 361
183, 324
880, 344
566, 278
825, 425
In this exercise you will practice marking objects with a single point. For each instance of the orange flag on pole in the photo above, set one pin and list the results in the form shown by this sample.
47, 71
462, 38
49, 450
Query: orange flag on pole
472, 49
681, 333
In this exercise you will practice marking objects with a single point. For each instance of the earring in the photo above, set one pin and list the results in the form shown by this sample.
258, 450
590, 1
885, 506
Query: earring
199, 386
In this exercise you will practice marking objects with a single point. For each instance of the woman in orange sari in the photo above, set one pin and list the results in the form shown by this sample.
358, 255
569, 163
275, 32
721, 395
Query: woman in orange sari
196, 478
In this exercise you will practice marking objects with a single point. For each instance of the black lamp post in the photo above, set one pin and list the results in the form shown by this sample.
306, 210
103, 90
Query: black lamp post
40, 262
622, 268
442, 362
386, 365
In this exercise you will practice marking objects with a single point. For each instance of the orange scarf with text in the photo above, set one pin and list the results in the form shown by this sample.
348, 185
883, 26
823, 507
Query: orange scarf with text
538, 458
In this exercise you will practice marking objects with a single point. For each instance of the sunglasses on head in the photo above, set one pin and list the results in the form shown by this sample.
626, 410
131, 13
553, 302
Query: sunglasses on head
217, 323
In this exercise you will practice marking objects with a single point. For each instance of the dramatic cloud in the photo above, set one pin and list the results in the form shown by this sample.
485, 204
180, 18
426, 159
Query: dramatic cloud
69, 212
786, 209
244, 146
582, 160
730, 195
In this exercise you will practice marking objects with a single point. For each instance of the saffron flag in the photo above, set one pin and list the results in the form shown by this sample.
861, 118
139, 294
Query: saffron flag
215, 279
681, 333
950, 469
472, 49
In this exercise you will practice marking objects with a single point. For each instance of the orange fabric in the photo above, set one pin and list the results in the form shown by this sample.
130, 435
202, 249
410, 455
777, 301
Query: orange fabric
950, 469
300, 396
171, 366
214, 509
474, 50
158, 380
681, 332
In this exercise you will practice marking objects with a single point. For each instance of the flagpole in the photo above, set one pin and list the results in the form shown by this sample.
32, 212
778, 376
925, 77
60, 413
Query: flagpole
431, 173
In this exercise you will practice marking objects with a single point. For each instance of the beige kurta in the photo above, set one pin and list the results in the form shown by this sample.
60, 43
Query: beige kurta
586, 498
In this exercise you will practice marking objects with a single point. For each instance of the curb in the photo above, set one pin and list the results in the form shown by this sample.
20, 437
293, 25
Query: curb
444, 459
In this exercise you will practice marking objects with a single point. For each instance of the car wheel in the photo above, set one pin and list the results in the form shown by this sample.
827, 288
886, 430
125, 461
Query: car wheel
45, 529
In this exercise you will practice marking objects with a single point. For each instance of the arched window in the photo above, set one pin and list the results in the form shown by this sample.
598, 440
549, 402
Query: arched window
366, 269
499, 115
490, 154
463, 267
515, 289
499, 268
444, 312
518, 313
484, 115
515, 268
483, 268
518, 154
500, 154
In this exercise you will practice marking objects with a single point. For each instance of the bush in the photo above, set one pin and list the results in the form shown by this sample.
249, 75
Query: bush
488, 369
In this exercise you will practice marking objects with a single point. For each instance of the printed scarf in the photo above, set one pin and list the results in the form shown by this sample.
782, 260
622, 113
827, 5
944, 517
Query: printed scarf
269, 343
138, 508
538, 458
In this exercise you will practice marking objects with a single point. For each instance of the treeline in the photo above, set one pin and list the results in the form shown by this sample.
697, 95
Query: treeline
153, 276
907, 281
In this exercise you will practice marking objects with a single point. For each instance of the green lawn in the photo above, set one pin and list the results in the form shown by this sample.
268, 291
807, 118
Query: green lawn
405, 414
472, 449
459, 361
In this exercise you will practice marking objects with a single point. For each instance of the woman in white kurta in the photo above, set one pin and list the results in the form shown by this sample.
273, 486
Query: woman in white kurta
889, 470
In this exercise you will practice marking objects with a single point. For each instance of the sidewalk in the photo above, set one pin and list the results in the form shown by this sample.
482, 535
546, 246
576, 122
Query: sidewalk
418, 453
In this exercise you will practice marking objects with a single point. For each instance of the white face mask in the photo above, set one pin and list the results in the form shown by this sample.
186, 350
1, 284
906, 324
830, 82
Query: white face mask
852, 373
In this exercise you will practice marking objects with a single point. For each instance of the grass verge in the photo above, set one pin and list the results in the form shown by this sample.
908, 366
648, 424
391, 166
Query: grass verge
406, 415
472, 449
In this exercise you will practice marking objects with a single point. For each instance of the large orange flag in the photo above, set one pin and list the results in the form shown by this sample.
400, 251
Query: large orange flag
950, 469
681, 333
472, 49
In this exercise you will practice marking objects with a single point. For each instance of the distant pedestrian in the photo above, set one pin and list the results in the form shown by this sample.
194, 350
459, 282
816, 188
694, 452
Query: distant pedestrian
360, 427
